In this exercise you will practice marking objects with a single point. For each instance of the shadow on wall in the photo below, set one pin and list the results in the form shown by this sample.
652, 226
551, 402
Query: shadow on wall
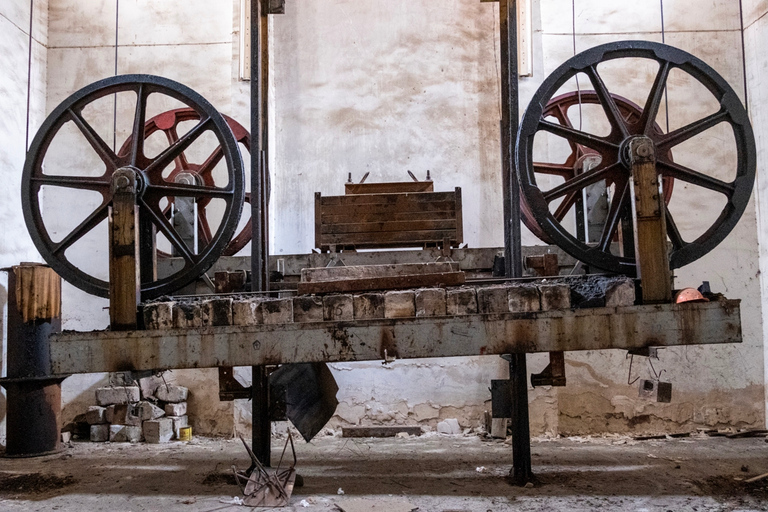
78, 392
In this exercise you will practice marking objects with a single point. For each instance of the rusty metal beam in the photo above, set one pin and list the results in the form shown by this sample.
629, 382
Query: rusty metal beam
560, 330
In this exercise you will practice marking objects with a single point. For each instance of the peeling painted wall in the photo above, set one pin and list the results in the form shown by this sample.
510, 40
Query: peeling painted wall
358, 88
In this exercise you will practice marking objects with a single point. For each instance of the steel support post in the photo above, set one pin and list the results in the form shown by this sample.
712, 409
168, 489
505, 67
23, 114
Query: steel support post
33, 395
521, 436
261, 430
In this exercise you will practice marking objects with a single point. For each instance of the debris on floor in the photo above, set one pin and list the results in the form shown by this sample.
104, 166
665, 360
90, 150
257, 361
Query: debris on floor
366, 505
265, 488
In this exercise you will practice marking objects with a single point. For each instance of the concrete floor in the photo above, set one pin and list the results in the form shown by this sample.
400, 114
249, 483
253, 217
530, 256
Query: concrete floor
433, 473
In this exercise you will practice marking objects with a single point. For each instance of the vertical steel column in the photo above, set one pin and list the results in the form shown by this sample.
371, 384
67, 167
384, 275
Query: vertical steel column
34, 396
510, 118
261, 429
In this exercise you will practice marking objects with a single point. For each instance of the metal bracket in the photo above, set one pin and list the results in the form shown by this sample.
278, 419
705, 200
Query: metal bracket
553, 374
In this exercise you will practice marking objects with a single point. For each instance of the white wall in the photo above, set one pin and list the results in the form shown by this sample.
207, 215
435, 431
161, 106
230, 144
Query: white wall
15, 243
415, 86
756, 39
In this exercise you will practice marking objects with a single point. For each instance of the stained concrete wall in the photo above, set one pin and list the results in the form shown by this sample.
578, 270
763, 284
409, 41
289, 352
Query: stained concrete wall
756, 39
356, 88
17, 77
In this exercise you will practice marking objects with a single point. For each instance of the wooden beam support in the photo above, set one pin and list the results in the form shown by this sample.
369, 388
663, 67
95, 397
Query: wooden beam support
124, 272
649, 215
628, 327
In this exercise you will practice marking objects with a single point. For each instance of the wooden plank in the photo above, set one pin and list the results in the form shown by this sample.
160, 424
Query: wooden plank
379, 431
388, 237
386, 225
367, 271
419, 197
384, 208
383, 283
391, 216
631, 327
397, 187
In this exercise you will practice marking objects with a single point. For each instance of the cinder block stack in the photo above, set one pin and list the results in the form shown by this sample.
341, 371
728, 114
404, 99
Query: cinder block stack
498, 299
153, 411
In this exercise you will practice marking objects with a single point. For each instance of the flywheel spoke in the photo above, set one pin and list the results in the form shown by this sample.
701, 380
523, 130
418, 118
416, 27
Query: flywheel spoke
688, 175
181, 190
685, 133
620, 200
139, 119
579, 182
607, 102
76, 182
673, 232
563, 170
165, 227
90, 222
173, 151
97, 143
652, 104
599, 144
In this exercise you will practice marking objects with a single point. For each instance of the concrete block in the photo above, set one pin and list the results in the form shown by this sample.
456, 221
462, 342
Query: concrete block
246, 312
109, 414
430, 302
449, 426
524, 299
338, 308
461, 301
172, 393
307, 308
96, 415
400, 304
158, 431
217, 311
179, 409
126, 414
492, 299
125, 433
158, 315
117, 395
148, 385
187, 315
555, 296
277, 311
368, 306
99, 433
149, 411
621, 293
179, 422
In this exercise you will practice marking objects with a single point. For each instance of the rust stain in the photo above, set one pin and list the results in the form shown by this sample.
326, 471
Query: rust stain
38, 292
388, 343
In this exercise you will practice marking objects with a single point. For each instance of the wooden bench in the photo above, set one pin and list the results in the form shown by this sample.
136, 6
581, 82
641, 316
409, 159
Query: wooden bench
388, 220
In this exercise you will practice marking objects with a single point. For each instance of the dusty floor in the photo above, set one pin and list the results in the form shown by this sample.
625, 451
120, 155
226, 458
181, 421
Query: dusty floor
435, 473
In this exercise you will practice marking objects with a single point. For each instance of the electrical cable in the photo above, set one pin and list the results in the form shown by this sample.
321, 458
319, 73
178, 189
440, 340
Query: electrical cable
664, 41
743, 57
573, 33
114, 97
29, 69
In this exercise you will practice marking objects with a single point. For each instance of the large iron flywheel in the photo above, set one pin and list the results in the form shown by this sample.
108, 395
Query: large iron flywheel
68, 175
730, 186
